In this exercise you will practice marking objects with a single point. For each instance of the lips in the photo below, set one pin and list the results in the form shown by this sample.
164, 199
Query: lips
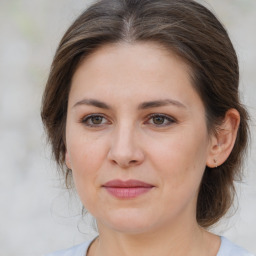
127, 189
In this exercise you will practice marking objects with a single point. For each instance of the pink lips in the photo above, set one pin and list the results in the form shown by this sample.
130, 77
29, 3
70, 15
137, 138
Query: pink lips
127, 189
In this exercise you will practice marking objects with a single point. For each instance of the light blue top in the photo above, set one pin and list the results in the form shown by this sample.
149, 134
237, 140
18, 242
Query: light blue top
227, 248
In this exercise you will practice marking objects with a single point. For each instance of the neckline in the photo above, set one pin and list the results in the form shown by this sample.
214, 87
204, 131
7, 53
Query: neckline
222, 242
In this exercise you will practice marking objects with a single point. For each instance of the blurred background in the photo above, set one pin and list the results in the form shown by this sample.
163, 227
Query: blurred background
37, 214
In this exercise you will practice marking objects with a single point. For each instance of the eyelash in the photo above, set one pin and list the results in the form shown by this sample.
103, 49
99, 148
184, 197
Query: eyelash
88, 119
170, 120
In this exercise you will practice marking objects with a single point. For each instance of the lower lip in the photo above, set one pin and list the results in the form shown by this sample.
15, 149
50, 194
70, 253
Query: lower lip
127, 193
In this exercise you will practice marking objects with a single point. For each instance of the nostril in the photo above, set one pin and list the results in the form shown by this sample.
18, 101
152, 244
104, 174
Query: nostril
125, 164
125, 156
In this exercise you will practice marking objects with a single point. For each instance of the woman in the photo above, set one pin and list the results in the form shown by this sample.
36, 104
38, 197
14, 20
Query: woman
143, 113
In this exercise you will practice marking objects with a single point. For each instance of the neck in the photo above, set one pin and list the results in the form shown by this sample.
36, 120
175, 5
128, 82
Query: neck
178, 240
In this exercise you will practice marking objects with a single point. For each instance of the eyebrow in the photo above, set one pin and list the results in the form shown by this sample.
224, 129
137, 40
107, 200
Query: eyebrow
92, 102
160, 103
144, 105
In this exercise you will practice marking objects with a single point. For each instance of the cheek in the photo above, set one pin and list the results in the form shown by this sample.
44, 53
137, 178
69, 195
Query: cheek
86, 162
85, 151
181, 159
86, 158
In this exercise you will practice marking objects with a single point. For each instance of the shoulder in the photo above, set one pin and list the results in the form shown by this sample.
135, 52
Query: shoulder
77, 250
227, 248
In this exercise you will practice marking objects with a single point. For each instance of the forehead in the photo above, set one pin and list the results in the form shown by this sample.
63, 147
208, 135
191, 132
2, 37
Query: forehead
145, 54
124, 69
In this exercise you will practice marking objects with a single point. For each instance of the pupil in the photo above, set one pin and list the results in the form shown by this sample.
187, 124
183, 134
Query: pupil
96, 119
158, 120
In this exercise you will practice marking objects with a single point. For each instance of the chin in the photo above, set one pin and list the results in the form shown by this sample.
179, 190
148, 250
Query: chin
127, 221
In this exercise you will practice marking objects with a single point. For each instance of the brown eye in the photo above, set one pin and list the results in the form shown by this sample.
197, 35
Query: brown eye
158, 120
95, 120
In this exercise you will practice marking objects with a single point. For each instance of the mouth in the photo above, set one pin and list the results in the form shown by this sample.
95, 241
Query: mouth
127, 189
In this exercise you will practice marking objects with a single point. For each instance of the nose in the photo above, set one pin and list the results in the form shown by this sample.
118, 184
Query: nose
125, 150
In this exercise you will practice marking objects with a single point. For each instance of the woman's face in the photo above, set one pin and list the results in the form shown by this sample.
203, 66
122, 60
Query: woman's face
136, 138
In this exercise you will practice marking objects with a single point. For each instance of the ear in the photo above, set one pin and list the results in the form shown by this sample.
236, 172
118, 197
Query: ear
67, 160
223, 141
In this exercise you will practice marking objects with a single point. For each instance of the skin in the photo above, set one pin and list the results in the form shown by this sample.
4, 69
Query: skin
125, 142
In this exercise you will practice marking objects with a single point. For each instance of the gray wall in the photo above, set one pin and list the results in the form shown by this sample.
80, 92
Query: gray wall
37, 215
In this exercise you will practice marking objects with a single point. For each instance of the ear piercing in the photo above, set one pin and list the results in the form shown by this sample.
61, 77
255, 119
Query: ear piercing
215, 162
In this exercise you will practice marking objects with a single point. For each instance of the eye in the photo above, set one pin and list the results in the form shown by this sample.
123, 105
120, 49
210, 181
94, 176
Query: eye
160, 120
94, 120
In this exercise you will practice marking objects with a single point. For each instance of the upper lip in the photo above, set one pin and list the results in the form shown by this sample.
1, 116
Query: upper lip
127, 184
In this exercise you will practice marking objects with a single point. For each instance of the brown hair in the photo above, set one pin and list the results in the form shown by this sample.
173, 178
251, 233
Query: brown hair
185, 28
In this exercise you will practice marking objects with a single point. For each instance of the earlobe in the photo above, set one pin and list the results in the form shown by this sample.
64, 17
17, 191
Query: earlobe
67, 160
223, 141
